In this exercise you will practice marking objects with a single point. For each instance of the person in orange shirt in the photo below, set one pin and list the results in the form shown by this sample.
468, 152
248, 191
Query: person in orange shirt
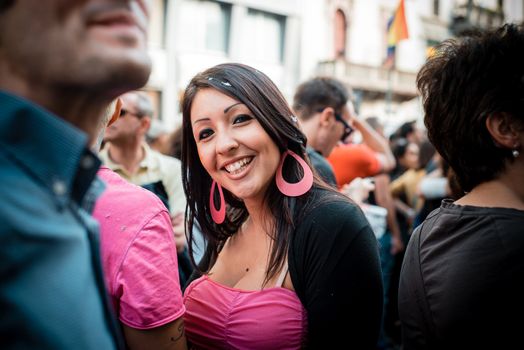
371, 157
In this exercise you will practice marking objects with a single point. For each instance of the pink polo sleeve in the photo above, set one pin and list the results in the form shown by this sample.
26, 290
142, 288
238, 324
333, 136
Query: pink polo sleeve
148, 283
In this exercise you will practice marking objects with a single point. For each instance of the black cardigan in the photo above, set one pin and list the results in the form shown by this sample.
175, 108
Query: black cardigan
335, 269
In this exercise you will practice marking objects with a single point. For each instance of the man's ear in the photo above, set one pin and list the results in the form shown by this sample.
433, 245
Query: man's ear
502, 129
327, 116
145, 123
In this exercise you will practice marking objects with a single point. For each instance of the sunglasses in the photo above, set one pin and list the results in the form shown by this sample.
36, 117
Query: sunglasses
124, 112
348, 130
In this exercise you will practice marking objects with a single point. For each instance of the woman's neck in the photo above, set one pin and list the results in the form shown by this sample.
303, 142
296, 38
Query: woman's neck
507, 191
259, 214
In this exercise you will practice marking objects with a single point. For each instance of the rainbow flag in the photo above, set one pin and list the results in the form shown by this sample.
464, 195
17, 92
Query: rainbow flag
397, 31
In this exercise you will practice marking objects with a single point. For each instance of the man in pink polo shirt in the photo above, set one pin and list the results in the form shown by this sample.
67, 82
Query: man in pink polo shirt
139, 259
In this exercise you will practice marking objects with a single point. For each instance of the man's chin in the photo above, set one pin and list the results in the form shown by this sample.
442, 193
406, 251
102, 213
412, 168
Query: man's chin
133, 75
118, 73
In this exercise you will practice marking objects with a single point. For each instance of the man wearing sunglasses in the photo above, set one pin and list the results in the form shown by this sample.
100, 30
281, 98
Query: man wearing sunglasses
321, 106
127, 152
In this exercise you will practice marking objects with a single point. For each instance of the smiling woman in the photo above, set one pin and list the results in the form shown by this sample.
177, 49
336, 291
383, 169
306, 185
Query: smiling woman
233, 147
289, 263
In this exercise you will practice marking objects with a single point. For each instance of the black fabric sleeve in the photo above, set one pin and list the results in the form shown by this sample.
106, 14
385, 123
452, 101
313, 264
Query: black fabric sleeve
334, 265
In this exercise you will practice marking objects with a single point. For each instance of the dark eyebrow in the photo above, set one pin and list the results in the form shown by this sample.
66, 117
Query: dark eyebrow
200, 120
233, 105
225, 111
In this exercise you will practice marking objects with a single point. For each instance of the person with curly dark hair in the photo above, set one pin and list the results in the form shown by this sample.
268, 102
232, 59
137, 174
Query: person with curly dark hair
461, 281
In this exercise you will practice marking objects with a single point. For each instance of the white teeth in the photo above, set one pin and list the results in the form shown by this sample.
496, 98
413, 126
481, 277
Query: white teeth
236, 166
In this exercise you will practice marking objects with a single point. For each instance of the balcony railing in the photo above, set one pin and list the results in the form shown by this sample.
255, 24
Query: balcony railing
370, 78
470, 17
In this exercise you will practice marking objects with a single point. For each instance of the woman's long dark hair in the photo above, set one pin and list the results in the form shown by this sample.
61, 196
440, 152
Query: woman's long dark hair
254, 89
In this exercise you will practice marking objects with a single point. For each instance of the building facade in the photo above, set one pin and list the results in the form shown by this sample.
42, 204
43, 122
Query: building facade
189, 36
390, 93
293, 40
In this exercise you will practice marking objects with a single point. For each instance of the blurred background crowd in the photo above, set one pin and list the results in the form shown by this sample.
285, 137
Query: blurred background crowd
294, 40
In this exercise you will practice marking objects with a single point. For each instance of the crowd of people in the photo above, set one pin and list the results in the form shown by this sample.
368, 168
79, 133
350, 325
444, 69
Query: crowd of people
257, 223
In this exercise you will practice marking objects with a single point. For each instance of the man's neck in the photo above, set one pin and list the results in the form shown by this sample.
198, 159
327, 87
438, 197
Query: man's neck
310, 129
79, 106
128, 155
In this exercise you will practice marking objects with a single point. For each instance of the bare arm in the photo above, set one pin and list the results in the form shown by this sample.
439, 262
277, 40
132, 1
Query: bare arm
170, 336
376, 142
384, 199
405, 210
179, 231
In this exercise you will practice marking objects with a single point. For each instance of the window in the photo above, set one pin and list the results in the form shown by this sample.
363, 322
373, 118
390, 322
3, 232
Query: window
204, 25
340, 34
263, 35
157, 24
436, 7
156, 101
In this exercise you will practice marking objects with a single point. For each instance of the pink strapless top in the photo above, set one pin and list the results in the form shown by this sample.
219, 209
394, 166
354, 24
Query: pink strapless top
220, 317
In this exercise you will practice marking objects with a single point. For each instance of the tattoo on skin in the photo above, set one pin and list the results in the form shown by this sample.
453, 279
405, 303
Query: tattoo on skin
181, 331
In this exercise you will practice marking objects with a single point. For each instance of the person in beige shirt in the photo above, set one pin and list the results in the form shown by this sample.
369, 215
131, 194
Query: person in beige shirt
127, 153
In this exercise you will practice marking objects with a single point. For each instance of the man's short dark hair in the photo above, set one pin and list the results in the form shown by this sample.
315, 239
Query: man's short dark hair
465, 82
318, 93
5, 4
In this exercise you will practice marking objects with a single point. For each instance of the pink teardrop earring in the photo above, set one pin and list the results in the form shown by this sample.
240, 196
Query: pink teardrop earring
219, 215
294, 189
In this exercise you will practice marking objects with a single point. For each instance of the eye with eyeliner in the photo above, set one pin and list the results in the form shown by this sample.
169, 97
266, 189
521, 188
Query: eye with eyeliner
204, 134
241, 118
236, 120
